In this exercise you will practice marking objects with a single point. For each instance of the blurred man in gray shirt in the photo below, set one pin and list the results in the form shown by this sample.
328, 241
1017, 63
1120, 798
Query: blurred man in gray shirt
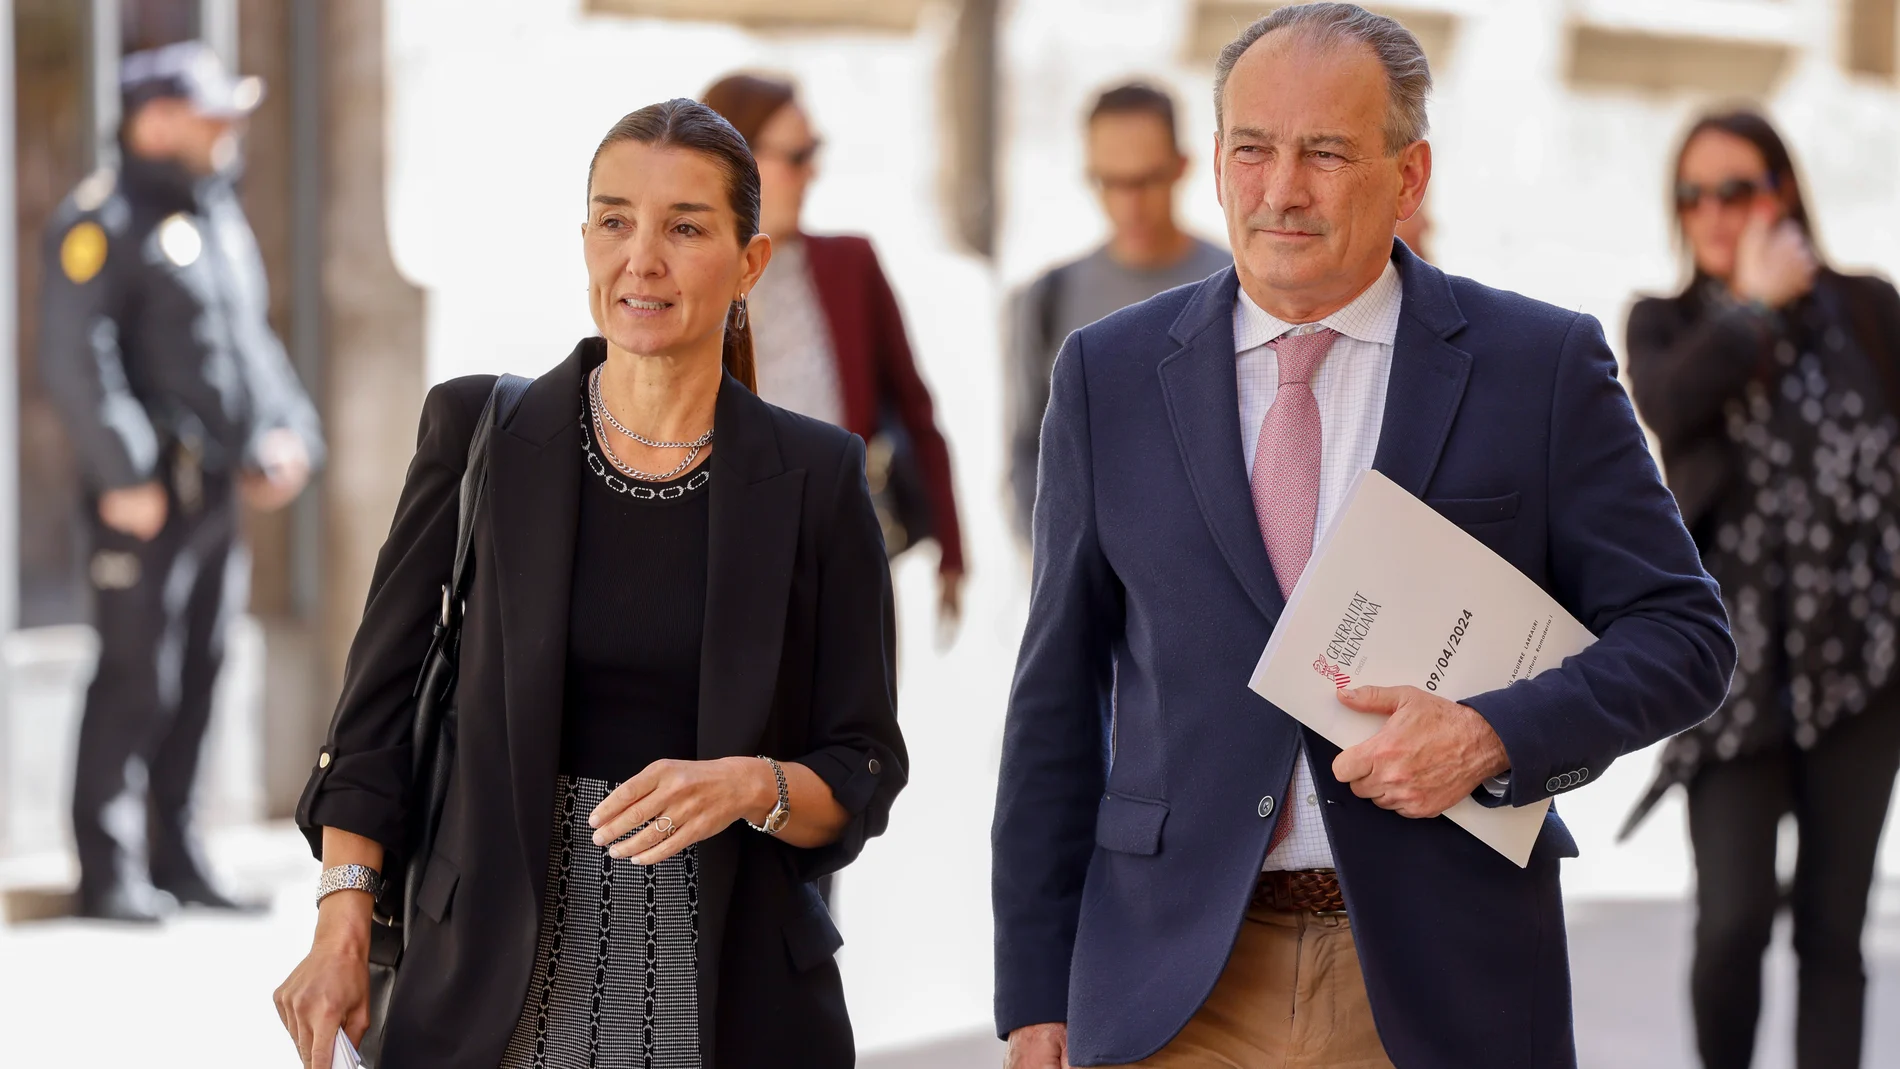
1135, 161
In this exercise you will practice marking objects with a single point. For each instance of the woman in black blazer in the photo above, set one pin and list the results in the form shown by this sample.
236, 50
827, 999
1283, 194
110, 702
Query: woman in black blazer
672, 577
1770, 383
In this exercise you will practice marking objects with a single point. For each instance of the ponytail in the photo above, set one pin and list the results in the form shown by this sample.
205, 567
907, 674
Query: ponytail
737, 355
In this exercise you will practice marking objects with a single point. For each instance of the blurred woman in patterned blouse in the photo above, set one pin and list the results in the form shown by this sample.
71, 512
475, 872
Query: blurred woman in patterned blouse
1771, 384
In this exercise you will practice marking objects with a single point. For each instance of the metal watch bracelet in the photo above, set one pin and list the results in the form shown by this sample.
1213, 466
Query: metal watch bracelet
781, 813
349, 878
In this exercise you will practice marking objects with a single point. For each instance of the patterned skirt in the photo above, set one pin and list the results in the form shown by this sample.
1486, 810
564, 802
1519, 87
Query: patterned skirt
615, 972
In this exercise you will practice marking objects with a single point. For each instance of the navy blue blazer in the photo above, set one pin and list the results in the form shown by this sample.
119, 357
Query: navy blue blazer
1140, 776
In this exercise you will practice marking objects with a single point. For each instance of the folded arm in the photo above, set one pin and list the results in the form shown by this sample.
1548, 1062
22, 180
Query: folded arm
905, 387
1681, 378
1622, 563
857, 751
362, 779
84, 370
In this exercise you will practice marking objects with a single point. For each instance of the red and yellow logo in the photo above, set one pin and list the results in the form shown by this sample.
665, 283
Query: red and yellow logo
1333, 672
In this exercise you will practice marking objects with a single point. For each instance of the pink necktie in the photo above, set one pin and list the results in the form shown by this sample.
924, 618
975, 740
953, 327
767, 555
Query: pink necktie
1286, 475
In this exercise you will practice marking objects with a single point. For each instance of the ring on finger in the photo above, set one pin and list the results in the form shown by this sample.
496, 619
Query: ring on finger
664, 825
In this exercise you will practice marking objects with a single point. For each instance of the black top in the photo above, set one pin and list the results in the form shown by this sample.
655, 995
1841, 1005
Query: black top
634, 622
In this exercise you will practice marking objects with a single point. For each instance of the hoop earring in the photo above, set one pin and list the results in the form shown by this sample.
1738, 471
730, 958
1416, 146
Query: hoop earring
740, 317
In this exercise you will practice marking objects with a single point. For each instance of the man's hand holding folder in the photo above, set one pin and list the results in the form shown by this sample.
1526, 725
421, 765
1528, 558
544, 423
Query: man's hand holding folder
1431, 754
1399, 597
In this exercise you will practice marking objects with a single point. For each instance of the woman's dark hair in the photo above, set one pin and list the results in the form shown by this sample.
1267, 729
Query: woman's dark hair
690, 125
1752, 127
748, 101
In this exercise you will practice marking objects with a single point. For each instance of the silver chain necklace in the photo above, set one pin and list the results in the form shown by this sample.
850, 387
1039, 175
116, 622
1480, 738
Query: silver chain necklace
601, 409
634, 490
600, 432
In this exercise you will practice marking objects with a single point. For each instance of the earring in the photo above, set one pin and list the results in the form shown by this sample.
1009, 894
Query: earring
739, 316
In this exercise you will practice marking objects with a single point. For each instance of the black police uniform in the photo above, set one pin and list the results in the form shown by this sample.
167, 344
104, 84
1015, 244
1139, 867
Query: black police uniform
155, 346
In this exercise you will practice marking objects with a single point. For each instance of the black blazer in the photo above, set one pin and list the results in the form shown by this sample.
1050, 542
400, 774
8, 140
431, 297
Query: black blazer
1687, 360
797, 663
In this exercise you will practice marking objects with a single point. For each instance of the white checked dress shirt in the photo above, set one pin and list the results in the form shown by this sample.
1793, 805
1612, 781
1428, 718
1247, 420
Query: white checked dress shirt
1350, 388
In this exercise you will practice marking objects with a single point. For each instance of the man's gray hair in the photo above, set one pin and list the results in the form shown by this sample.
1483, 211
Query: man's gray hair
1408, 76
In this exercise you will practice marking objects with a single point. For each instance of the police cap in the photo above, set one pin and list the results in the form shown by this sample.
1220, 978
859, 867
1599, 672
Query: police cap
188, 71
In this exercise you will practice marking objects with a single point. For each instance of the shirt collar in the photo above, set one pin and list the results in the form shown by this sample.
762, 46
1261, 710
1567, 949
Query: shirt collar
1373, 316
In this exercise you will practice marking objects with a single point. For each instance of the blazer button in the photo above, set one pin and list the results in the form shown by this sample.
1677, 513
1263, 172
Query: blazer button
1554, 784
874, 767
1266, 806
323, 760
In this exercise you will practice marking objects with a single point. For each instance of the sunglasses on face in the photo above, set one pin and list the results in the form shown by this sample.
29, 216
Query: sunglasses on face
800, 157
1729, 193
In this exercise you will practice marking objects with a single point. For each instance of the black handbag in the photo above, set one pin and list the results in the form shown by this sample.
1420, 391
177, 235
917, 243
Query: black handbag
898, 491
434, 740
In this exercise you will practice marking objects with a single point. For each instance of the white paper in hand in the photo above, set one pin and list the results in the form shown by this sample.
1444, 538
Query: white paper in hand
1397, 595
343, 1053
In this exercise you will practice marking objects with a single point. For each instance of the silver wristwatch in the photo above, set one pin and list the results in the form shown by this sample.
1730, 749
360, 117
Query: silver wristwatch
782, 812
349, 878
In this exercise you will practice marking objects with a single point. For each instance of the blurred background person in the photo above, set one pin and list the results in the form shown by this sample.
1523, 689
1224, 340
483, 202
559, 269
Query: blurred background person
180, 404
1770, 381
1135, 162
830, 339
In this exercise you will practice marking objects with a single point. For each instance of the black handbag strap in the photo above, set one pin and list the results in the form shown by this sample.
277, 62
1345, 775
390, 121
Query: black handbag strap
500, 408
435, 714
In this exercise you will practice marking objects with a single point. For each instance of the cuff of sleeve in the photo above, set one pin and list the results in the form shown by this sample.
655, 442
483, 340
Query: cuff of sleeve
853, 775
353, 792
1516, 728
1025, 1010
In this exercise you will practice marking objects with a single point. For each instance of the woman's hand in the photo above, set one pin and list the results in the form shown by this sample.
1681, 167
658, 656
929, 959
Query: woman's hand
1773, 262
329, 989
674, 804
949, 606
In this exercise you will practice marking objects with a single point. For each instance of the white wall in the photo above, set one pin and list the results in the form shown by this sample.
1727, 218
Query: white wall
496, 107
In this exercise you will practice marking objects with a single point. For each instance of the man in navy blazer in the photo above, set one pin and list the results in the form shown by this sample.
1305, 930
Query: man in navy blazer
1185, 877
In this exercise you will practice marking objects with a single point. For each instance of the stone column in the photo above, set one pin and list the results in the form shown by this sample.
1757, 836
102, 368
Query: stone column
970, 135
374, 361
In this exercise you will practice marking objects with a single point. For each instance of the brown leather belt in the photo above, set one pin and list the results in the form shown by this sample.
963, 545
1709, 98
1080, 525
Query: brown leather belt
1305, 891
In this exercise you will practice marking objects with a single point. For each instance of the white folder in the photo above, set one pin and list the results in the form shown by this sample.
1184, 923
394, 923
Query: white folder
343, 1053
1397, 595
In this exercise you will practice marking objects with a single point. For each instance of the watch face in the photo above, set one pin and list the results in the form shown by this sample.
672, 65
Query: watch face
776, 822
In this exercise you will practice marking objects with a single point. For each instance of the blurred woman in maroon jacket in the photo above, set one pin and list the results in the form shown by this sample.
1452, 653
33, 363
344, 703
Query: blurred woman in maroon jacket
829, 337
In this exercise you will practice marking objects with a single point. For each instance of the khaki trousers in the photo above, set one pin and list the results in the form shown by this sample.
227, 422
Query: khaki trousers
1291, 997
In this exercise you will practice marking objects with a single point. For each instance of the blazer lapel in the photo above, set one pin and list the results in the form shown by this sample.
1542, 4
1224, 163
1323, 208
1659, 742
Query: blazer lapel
1428, 377
1203, 402
534, 494
755, 507
752, 546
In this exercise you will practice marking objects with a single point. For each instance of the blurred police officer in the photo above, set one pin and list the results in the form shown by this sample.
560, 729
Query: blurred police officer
181, 404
